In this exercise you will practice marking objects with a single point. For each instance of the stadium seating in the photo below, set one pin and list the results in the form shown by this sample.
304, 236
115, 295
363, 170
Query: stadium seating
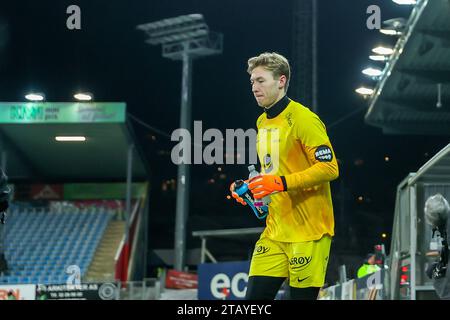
41, 243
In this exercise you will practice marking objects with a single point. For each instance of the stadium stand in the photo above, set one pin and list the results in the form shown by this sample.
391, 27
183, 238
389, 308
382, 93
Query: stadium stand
41, 243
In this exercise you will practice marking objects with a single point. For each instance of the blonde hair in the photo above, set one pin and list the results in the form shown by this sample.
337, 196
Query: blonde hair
271, 61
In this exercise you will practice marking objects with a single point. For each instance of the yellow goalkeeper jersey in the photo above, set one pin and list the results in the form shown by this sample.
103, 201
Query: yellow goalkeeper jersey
292, 142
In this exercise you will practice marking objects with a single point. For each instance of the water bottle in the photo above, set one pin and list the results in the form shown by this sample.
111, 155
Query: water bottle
242, 190
253, 173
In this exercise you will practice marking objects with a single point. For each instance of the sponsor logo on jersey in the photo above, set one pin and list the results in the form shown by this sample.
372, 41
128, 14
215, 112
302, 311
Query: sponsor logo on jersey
323, 154
300, 262
301, 280
288, 118
261, 250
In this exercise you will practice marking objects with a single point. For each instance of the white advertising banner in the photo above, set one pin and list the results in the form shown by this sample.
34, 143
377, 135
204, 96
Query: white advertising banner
347, 290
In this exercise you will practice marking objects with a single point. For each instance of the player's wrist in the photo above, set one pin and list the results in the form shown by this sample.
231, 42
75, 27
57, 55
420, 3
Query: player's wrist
283, 181
293, 181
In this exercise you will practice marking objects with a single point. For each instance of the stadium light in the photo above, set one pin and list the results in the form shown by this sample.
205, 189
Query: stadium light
83, 96
364, 91
395, 23
394, 27
70, 138
35, 96
405, 2
385, 51
372, 72
378, 58
175, 29
390, 32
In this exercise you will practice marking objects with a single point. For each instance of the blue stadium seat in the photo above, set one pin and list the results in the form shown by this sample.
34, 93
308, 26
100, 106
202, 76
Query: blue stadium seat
24, 279
13, 280
34, 280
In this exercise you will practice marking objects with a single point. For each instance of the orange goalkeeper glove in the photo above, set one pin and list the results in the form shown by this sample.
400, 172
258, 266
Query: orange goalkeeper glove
264, 185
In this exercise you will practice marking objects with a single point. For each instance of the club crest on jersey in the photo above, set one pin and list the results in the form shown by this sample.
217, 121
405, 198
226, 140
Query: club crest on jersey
268, 165
323, 154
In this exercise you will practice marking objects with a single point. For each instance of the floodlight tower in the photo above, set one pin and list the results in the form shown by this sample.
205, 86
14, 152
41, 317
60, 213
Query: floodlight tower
183, 38
305, 85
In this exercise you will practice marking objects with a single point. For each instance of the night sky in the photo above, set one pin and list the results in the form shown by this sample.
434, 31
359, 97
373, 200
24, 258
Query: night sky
109, 58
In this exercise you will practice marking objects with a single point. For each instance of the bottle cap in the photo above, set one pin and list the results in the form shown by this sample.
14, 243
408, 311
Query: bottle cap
238, 183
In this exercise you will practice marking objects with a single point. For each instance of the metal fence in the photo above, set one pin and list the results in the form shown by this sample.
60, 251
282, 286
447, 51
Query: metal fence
148, 289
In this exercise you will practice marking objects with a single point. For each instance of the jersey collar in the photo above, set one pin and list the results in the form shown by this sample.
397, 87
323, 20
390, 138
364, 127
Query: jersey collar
277, 108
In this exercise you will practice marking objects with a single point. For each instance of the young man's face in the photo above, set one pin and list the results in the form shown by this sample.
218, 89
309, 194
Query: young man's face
265, 88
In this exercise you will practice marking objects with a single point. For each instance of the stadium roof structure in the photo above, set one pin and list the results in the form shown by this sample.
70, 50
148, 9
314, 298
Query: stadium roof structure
28, 144
417, 76
436, 170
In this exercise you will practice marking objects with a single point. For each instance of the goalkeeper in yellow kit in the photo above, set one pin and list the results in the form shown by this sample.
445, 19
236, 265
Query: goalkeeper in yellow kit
297, 165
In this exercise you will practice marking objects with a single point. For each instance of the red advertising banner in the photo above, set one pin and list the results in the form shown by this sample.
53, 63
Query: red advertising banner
47, 191
181, 280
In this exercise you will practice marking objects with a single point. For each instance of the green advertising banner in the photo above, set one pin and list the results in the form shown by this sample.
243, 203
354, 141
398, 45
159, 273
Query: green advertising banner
62, 112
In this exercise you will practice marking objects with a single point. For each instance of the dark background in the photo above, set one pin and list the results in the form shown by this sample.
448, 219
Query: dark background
109, 58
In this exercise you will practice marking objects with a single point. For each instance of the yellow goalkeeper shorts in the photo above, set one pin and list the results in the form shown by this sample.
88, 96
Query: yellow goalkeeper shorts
304, 263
